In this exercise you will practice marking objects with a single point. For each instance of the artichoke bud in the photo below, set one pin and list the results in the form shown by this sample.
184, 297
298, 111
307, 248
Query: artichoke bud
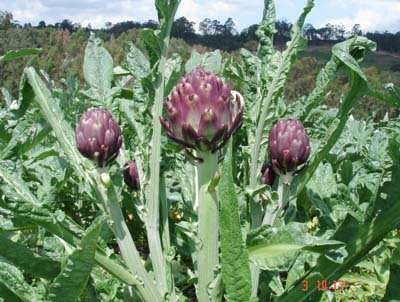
289, 146
98, 136
131, 175
202, 112
268, 174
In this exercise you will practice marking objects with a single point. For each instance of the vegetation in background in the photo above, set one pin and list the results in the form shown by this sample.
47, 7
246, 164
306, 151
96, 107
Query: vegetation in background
203, 224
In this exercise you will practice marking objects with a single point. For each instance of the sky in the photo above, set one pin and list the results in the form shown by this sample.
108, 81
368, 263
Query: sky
372, 15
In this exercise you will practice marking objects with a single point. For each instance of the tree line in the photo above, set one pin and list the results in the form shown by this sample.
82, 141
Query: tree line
222, 35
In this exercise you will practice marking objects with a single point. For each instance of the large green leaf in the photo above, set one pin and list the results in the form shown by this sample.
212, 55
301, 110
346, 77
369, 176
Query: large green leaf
276, 248
13, 279
98, 70
15, 54
72, 280
172, 73
25, 259
359, 238
234, 256
137, 63
8, 295
210, 61
393, 289
344, 51
153, 45
20, 200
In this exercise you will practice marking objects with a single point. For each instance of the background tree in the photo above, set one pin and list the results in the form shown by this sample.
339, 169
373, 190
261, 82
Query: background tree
6, 20
183, 28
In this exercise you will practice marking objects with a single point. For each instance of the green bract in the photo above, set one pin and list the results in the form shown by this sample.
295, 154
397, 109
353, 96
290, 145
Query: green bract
203, 112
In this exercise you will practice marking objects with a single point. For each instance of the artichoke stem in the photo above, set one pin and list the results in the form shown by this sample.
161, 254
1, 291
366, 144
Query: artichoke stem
125, 242
206, 199
283, 191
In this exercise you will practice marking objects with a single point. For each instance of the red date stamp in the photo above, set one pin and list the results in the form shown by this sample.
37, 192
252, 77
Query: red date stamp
325, 285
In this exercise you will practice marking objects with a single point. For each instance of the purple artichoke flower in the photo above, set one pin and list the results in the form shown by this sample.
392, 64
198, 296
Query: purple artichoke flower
131, 175
268, 174
98, 136
289, 146
202, 111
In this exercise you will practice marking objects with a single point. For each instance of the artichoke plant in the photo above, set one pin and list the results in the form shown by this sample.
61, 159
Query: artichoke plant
268, 174
289, 146
131, 175
98, 136
203, 112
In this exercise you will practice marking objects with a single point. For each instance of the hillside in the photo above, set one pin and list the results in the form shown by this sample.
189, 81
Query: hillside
380, 59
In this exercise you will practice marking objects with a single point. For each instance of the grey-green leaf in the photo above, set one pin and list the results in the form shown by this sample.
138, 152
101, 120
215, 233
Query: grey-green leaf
138, 64
13, 279
98, 69
275, 248
393, 289
25, 259
234, 256
70, 283
210, 61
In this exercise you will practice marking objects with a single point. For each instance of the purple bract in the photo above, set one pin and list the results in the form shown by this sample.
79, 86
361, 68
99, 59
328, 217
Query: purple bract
202, 111
98, 136
289, 146
131, 175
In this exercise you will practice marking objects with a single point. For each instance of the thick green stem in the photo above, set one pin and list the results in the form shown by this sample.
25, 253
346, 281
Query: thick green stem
125, 242
283, 193
153, 190
206, 199
271, 214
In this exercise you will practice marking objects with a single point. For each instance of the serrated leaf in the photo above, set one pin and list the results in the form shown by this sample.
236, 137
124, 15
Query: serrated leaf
266, 31
137, 63
62, 130
275, 248
393, 290
359, 238
98, 69
73, 278
25, 259
13, 279
19, 53
323, 181
7, 295
357, 89
234, 256
172, 73
153, 45
210, 61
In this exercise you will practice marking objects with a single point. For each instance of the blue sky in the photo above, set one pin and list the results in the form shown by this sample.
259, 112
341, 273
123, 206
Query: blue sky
371, 15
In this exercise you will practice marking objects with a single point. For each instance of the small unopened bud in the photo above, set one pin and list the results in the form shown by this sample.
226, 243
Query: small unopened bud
268, 174
98, 136
289, 146
131, 175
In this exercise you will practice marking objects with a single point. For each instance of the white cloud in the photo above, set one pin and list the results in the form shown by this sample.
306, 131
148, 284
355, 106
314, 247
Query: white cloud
371, 15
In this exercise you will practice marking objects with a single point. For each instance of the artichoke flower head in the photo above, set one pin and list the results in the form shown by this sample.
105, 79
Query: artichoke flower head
98, 136
289, 145
202, 111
